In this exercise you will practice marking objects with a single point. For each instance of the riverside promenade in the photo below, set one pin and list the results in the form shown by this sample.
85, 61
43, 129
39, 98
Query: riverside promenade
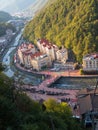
42, 91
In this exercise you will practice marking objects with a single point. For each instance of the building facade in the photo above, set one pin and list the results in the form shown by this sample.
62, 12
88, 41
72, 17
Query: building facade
24, 52
31, 58
62, 55
40, 60
48, 48
90, 62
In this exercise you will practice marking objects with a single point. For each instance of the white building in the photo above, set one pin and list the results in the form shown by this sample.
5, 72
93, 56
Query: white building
48, 48
90, 62
30, 57
52, 50
24, 52
62, 55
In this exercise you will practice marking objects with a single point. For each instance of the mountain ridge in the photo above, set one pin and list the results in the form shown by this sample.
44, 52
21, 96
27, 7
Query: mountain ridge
4, 16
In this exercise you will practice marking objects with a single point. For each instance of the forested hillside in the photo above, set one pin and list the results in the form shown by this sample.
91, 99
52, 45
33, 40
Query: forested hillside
73, 23
4, 17
4, 27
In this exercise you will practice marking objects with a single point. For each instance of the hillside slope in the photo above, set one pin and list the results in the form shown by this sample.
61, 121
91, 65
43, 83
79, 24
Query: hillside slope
4, 17
73, 23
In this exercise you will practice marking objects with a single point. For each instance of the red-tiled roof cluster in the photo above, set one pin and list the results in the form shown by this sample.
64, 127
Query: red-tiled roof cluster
31, 45
46, 43
26, 48
37, 54
25, 45
26, 53
93, 55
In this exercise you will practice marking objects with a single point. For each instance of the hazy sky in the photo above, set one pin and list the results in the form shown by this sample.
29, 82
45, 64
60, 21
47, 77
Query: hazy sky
15, 5
5, 3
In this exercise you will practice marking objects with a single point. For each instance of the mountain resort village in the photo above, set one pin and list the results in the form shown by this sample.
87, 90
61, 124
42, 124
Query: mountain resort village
49, 65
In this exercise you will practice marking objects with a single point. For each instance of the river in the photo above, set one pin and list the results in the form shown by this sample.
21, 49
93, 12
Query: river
6, 59
11, 71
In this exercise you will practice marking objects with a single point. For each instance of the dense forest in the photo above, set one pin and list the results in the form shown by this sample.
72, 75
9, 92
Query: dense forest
72, 23
19, 112
4, 16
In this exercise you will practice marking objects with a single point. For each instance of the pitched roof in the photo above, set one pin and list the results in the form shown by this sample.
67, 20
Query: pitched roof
27, 51
91, 56
37, 54
46, 43
85, 104
87, 100
30, 45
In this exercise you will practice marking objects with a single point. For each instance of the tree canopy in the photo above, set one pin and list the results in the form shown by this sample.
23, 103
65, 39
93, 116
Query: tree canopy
72, 23
4, 27
19, 112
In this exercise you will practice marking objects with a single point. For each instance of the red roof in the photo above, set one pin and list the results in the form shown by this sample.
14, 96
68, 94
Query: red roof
45, 42
31, 45
37, 54
49, 47
27, 52
95, 56
44, 45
